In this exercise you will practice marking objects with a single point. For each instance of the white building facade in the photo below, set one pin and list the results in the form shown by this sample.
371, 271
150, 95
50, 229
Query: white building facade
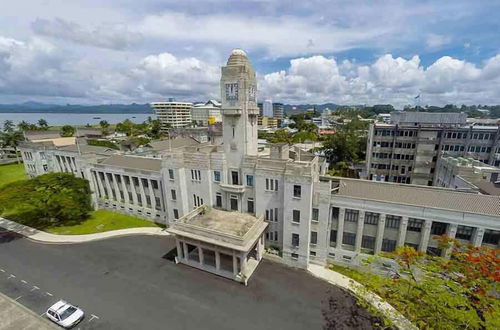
173, 114
311, 218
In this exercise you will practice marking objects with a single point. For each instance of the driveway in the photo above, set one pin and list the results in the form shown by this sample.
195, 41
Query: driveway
128, 283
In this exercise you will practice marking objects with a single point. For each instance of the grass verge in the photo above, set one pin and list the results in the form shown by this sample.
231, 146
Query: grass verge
10, 173
101, 221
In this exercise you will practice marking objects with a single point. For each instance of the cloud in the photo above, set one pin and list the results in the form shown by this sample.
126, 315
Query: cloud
113, 36
435, 41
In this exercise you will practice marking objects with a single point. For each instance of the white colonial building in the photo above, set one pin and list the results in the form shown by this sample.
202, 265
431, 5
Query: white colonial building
225, 202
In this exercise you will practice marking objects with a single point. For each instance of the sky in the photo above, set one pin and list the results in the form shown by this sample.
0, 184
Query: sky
344, 52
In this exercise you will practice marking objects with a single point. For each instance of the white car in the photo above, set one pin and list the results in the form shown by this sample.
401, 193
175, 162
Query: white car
64, 314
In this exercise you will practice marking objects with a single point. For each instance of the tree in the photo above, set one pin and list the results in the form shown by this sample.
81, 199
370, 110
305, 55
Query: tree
12, 139
67, 131
104, 126
23, 125
440, 293
281, 136
47, 200
42, 123
155, 129
8, 126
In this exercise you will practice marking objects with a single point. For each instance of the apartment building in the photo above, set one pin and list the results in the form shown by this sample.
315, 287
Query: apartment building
408, 149
278, 110
267, 122
173, 114
225, 202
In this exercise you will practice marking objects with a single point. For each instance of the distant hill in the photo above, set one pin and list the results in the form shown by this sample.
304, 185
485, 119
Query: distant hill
32, 107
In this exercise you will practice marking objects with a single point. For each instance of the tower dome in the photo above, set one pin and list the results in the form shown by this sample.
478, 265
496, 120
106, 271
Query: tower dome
237, 57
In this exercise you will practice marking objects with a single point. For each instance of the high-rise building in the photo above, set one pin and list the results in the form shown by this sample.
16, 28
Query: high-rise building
408, 149
173, 114
268, 108
278, 110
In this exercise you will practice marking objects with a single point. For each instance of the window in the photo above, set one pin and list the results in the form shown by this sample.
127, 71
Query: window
415, 225
272, 215
272, 184
392, 221
312, 253
333, 237
174, 194
217, 176
491, 237
464, 232
170, 174
434, 251
45, 168
368, 242
295, 240
250, 180
371, 218
349, 238
314, 237
351, 215
218, 200
295, 256
438, 228
388, 245
196, 175
296, 216
250, 205
234, 203
315, 214
176, 214
297, 191
235, 177
154, 183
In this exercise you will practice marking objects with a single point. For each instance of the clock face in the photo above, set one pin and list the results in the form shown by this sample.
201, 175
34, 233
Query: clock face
232, 92
252, 93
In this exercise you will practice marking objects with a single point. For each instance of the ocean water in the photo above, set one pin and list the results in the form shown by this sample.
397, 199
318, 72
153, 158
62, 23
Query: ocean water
59, 119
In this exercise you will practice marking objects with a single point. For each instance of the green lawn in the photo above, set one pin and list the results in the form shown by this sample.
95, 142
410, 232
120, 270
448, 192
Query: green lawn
101, 221
10, 173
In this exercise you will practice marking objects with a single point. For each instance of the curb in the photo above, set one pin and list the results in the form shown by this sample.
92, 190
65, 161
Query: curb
41, 319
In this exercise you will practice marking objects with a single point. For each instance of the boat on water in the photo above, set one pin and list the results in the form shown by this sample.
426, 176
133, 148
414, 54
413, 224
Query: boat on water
96, 117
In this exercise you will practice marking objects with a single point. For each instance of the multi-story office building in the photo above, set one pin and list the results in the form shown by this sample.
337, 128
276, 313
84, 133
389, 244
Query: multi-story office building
267, 122
408, 149
173, 114
207, 113
467, 174
224, 202
278, 110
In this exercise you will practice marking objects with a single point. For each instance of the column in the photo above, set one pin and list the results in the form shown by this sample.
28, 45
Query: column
200, 255
134, 192
451, 232
235, 264
179, 249
98, 184
217, 260
117, 189
143, 194
186, 252
477, 238
340, 228
426, 232
402, 231
125, 191
359, 231
152, 195
380, 234
243, 259
108, 186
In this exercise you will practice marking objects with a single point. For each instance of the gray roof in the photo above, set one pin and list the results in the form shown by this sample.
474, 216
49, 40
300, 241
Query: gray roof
138, 163
422, 196
86, 149
173, 143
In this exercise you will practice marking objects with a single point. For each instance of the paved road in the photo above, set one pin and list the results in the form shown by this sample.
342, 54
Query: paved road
126, 283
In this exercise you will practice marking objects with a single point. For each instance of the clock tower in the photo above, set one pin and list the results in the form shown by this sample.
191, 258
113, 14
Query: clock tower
239, 109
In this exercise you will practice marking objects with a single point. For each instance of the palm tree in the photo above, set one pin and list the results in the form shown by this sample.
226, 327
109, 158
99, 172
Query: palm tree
42, 123
23, 125
8, 126
12, 139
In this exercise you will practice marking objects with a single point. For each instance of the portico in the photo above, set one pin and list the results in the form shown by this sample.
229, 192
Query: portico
229, 244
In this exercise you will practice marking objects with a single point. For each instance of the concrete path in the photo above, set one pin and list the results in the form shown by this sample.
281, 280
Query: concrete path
347, 283
14, 316
41, 236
